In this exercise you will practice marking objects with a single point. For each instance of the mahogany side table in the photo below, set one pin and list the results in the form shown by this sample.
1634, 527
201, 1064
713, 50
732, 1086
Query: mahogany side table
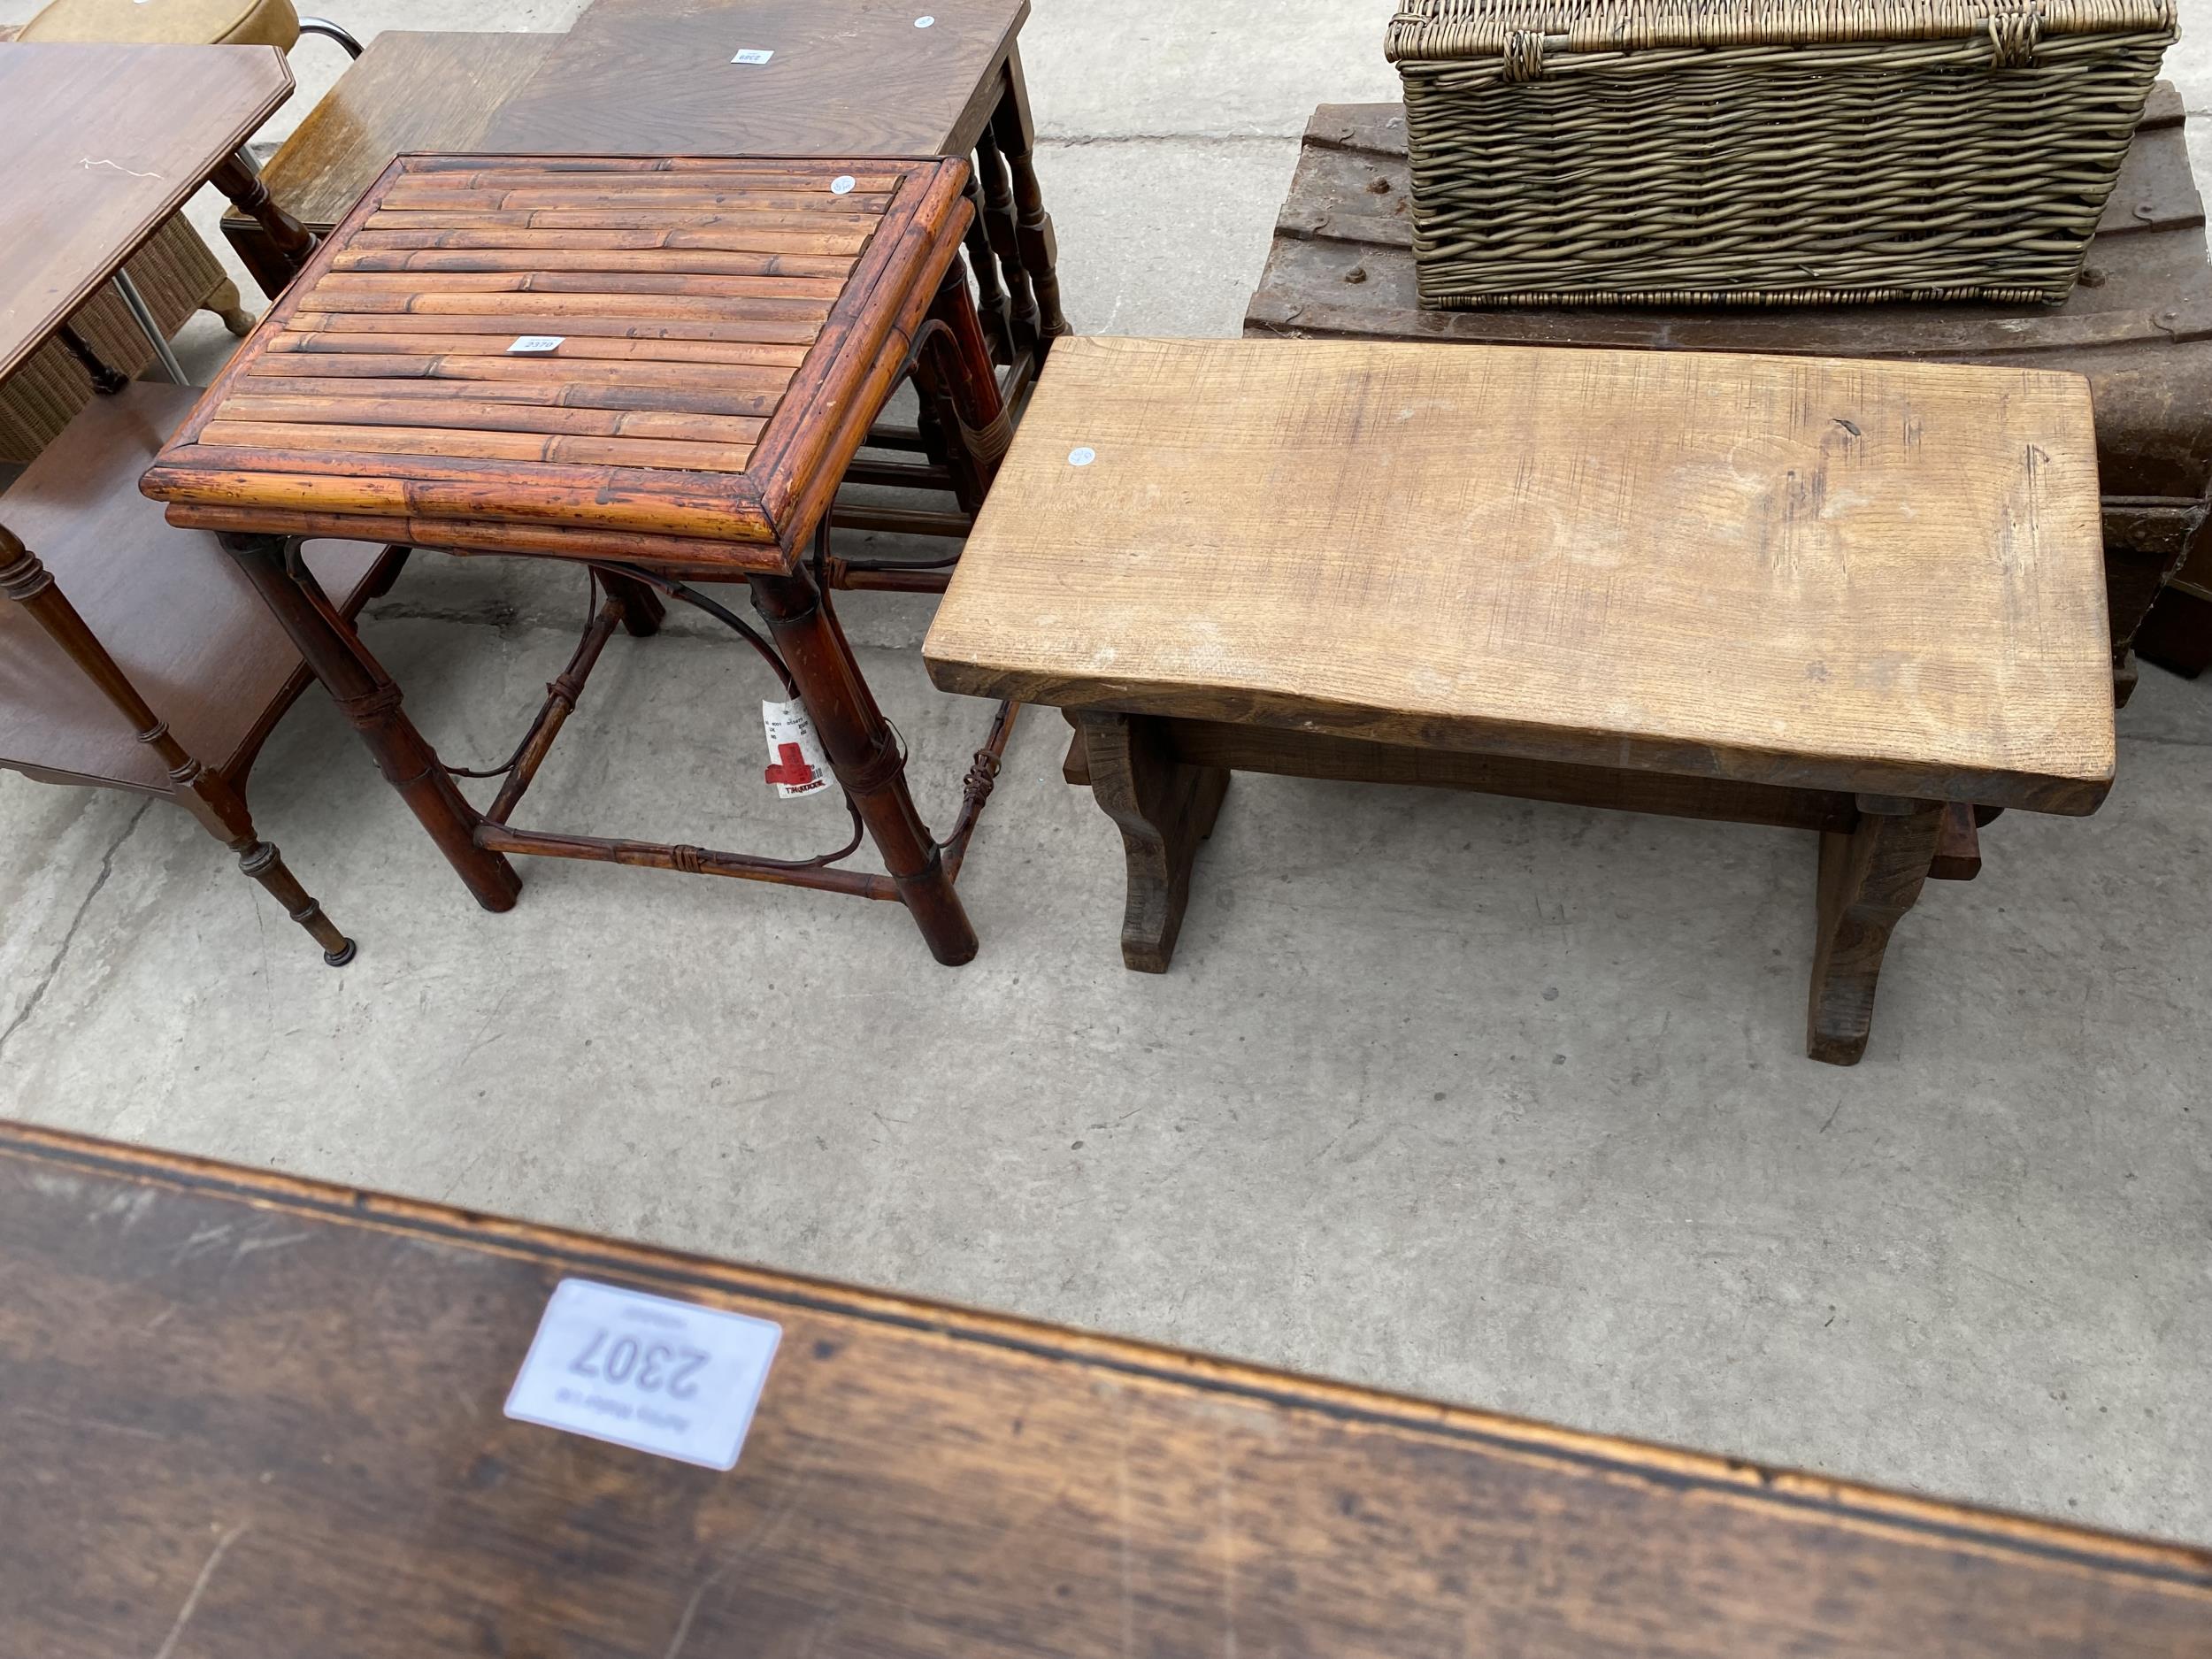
657, 366
131, 656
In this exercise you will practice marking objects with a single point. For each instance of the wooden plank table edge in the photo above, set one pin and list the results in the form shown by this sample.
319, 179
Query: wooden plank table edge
1782, 1494
1779, 765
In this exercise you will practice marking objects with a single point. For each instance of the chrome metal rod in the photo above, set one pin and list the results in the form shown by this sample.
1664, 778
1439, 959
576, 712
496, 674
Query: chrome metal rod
144, 316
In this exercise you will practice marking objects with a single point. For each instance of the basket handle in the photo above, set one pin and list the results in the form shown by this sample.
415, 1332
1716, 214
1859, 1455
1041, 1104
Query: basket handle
1522, 56
2012, 38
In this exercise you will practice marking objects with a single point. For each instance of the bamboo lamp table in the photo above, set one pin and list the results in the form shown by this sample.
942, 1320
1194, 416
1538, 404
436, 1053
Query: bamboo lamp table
1861, 598
656, 366
257, 1417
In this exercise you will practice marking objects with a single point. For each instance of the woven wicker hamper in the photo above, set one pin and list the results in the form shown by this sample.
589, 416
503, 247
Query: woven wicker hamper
1764, 151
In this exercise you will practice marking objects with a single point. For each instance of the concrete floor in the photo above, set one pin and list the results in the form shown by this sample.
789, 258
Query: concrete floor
1496, 1102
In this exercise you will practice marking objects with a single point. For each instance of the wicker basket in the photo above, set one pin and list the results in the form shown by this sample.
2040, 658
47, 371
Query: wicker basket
1765, 151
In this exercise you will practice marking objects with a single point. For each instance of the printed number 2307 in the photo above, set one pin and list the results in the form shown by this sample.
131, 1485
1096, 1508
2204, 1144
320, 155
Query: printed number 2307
653, 1367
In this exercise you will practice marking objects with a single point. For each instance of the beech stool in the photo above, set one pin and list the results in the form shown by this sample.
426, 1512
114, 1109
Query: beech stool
659, 367
1864, 599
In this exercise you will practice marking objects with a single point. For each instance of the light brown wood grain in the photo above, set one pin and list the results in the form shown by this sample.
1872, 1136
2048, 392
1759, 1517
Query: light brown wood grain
524, 320
588, 346
456, 414
276, 1404
370, 438
551, 240
686, 262
1881, 576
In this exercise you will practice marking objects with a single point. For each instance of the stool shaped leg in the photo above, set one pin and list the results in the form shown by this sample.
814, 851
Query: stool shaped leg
208, 795
367, 696
866, 755
1163, 808
1869, 877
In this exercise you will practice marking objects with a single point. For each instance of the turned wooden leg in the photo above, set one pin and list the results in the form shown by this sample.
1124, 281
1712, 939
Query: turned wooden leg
1163, 809
1002, 231
367, 696
867, 757
288, 241
990, 287
226, 303
960, 389
207, 794
1035, 245
642, 611
1869, 877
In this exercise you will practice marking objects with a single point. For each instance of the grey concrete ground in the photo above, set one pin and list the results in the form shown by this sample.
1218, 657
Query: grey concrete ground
1496, 1102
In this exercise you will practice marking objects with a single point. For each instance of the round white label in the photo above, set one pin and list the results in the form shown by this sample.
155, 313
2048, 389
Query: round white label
1082, 456
924, 22
841, 185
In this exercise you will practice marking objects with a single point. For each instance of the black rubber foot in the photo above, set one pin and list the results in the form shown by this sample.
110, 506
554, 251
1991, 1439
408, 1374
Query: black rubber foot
339, 958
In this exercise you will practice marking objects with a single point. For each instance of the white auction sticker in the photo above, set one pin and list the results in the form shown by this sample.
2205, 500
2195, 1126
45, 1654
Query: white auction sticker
535, 345
752, 54
658, 1376
796, 764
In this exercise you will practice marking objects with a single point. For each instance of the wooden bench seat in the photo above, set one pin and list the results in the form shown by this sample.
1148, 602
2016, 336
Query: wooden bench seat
1860, 597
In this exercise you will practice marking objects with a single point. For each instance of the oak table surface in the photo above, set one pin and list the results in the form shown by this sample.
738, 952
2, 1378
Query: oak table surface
257, 1417
654, 77
720, 325
409, 91
1854, 576
2138, 324
102, 144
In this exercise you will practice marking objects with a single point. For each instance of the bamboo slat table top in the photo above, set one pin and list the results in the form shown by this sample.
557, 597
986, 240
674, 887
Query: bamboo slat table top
1857, 576
260, 1418
102, 143
726, 328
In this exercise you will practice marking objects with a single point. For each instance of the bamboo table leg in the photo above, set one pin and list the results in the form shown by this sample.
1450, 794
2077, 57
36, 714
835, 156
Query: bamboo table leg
867, 757
207, 794
367, 697
1868, 878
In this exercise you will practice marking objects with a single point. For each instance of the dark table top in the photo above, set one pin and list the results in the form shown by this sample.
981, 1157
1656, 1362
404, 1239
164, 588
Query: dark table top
652, 77
258, 1418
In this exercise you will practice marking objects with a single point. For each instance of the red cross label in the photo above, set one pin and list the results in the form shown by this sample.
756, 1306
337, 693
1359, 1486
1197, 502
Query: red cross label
796, 765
